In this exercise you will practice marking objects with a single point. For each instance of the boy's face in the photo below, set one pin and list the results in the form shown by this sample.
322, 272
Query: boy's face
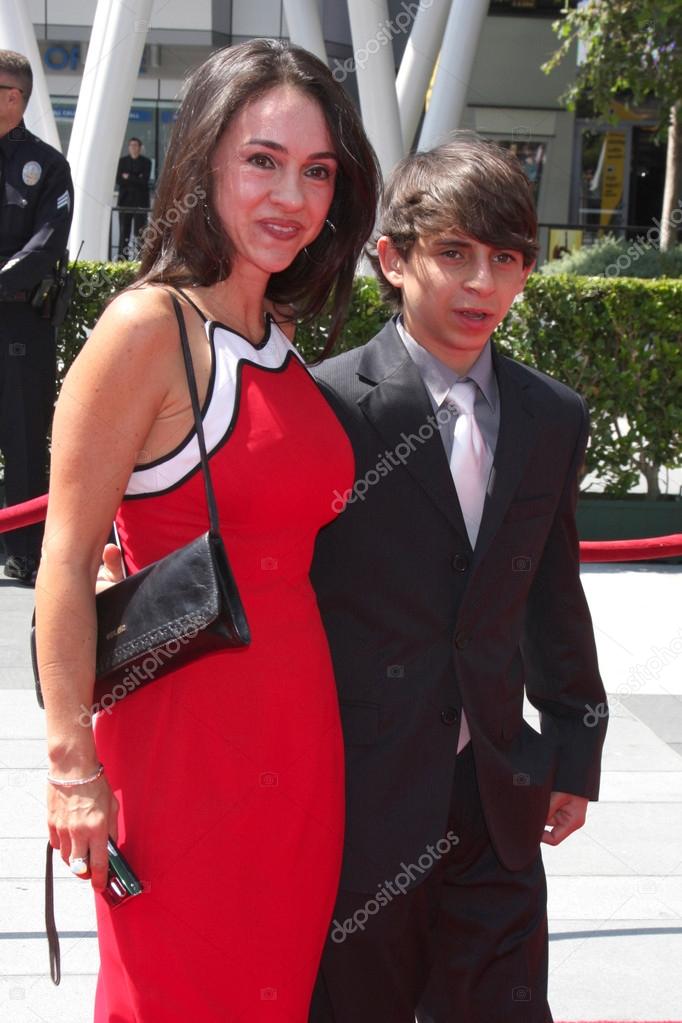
455, 291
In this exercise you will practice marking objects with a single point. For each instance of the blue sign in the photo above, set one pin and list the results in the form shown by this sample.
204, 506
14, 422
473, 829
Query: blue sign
139, 115
168, 116
63, 57
63, 113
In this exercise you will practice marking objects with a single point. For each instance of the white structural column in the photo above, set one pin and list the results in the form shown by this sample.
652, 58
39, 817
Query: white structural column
116, 44
16, 33
305, 26
375, 70
419, 59
457, 57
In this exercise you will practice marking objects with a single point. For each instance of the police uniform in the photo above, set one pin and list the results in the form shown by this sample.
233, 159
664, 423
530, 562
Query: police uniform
36, 206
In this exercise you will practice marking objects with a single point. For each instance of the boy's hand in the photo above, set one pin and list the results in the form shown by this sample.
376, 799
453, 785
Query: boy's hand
566, 814
111, 569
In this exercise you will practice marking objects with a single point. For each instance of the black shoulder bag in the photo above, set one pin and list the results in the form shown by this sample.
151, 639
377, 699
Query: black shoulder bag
176, 609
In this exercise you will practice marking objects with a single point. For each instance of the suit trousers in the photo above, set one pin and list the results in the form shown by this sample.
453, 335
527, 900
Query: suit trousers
131, 226
28, 373
468, 944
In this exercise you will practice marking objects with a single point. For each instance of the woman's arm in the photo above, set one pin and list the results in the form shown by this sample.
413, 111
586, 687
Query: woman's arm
110, 399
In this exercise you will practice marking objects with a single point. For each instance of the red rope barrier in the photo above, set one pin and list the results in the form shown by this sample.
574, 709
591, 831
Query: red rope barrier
591, 551
631, 550
27, 514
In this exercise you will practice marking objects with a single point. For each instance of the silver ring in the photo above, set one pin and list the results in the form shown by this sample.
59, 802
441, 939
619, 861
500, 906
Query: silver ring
79, 866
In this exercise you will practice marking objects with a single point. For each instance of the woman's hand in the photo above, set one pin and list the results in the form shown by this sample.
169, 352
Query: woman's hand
111, 569
80, 818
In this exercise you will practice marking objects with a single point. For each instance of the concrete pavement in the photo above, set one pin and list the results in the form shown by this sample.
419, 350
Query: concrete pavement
615, 889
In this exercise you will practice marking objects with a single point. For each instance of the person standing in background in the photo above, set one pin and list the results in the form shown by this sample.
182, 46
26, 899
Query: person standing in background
132, 180
36, 206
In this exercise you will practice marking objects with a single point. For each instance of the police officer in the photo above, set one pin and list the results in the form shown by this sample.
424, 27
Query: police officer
36, 205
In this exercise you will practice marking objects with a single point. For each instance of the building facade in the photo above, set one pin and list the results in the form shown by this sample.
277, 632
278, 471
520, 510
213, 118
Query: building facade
583, 173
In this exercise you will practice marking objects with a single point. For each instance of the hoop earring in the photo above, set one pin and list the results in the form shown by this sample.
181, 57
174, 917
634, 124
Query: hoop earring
307, 255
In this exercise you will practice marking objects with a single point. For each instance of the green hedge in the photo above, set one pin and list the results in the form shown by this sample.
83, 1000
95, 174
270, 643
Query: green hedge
618, 342
95, 284
618, 257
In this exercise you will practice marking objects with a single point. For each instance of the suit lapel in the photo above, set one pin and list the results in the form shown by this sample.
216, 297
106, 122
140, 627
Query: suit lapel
398, 407
514, 443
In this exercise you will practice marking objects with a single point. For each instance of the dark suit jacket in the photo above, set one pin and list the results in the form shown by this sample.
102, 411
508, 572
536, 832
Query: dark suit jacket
419, 624
133, 190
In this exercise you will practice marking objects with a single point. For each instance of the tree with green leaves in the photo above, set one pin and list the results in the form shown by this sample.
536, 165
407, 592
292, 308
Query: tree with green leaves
632, 52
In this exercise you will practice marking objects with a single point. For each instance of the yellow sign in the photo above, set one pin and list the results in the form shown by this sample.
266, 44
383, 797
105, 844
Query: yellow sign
613, 173
561, 241
626, 113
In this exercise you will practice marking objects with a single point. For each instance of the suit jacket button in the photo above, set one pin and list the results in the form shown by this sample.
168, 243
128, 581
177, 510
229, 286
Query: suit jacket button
449, 716
461, 640
460, 562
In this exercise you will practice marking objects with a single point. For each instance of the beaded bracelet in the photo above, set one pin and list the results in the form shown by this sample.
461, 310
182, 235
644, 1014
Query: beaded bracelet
69, 782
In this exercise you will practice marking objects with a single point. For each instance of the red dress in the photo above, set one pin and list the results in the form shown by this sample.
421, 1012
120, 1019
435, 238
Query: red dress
229, 771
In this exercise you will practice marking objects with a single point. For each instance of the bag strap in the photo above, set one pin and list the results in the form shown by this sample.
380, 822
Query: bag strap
192, 383
50, 926
200, 312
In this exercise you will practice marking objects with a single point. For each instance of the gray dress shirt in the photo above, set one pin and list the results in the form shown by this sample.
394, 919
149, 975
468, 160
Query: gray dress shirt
438, 379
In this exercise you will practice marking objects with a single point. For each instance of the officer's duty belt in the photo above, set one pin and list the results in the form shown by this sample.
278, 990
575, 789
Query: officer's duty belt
17, 296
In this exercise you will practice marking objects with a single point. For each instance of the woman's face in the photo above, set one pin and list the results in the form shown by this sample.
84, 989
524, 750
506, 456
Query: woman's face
274, 171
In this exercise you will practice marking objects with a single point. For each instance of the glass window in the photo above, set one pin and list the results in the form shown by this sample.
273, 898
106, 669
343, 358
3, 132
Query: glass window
531, 156
603, 179
151, 122
167, 115
64, 111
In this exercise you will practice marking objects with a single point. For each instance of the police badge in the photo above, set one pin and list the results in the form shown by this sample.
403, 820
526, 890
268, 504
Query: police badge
31, 172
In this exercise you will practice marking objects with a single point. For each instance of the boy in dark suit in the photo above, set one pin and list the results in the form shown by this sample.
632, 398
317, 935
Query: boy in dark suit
448, 586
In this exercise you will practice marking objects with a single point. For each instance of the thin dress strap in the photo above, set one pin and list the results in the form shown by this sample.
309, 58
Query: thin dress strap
204, 317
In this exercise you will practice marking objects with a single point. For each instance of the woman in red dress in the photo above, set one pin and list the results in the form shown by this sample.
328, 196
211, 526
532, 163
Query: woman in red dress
222, 781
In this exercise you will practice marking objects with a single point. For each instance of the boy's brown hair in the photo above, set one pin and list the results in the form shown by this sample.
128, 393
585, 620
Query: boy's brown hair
469, 183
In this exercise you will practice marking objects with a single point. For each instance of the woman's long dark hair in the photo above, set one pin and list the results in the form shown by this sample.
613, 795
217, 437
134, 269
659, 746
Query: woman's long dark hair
185, 242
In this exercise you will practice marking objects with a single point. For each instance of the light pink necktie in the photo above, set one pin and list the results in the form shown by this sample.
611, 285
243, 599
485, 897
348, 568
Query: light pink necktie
470, 464
471, 459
